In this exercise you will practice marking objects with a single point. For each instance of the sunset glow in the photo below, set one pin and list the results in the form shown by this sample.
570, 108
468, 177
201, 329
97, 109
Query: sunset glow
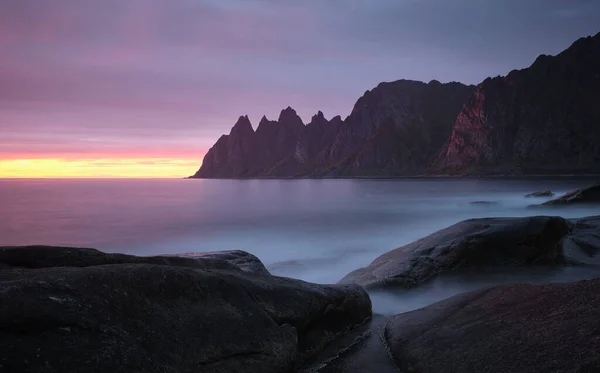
71, 168
85, 93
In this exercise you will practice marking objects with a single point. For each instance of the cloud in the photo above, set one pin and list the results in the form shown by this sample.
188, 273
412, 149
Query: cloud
85, 75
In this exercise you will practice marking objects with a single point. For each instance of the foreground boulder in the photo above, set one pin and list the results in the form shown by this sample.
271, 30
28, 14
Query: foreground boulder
510, 328
582, 245
53, 256
581, 196
470, 244
128, 314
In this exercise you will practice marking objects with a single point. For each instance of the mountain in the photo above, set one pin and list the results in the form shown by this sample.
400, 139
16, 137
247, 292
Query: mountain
544, 119
395, 129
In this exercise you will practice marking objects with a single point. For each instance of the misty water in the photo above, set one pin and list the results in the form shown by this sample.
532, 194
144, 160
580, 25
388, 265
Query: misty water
315, 230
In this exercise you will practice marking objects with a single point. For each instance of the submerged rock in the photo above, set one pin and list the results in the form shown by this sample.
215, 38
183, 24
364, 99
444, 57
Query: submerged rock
586, 195
484, 203
542, 193
470, 244
509, 328
75, 310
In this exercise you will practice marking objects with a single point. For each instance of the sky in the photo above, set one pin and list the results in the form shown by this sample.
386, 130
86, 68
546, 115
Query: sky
143, 88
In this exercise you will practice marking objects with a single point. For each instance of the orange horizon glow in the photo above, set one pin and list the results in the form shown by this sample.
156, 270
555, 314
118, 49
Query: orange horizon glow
98, 167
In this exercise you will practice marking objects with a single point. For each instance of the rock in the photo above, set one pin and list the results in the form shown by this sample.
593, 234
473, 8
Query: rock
508, 328
587, 195
582, 245
52, 256
470, 244
543, 193
484, 203
114, 313
241, 259
539, 120
362, 350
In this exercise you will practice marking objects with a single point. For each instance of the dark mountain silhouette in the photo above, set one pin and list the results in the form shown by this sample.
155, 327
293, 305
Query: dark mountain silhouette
544, 119
394, 129
541, 120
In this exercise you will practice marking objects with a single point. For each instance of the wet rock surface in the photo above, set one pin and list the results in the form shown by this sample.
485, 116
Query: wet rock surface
508, 328
542, 193
484, 203
470, 244
52, 256
589, 195
80, 310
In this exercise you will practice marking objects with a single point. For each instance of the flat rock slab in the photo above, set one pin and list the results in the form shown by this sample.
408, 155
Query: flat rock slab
542, 193
53, 256
484, 203
509, 328
141, 317
468, 245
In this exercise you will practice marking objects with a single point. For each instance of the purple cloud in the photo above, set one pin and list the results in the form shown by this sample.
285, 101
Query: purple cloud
98, 75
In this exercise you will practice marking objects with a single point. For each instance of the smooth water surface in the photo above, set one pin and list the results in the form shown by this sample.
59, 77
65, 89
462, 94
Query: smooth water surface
316, 230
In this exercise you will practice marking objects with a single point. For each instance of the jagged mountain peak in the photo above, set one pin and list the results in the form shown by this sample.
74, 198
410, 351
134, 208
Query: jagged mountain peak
242, 126
318, 118
289, 116
543, 118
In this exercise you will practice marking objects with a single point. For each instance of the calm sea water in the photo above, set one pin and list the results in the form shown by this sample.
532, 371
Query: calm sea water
316, 230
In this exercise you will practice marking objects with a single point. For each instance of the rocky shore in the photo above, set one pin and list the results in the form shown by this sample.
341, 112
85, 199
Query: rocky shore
81, 310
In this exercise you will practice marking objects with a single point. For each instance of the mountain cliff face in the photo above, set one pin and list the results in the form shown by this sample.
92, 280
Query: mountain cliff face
395, 129
541, 120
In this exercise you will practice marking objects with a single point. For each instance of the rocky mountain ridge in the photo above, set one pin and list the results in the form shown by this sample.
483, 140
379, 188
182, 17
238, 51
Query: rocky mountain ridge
392, 130
544, 119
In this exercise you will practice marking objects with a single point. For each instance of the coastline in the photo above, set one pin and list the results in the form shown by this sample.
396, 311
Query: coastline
419, 177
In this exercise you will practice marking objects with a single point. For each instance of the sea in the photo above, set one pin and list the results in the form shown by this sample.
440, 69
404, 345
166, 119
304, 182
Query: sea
314, 230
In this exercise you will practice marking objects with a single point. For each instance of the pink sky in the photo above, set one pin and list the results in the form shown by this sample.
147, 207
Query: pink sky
86, 79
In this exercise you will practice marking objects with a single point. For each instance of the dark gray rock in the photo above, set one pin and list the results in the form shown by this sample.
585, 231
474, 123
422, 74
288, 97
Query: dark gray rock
589, 195
509, 328
241, 259
542, 193
582, 245
93, 316
484, 203
470, 244
52, 256
362, 350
